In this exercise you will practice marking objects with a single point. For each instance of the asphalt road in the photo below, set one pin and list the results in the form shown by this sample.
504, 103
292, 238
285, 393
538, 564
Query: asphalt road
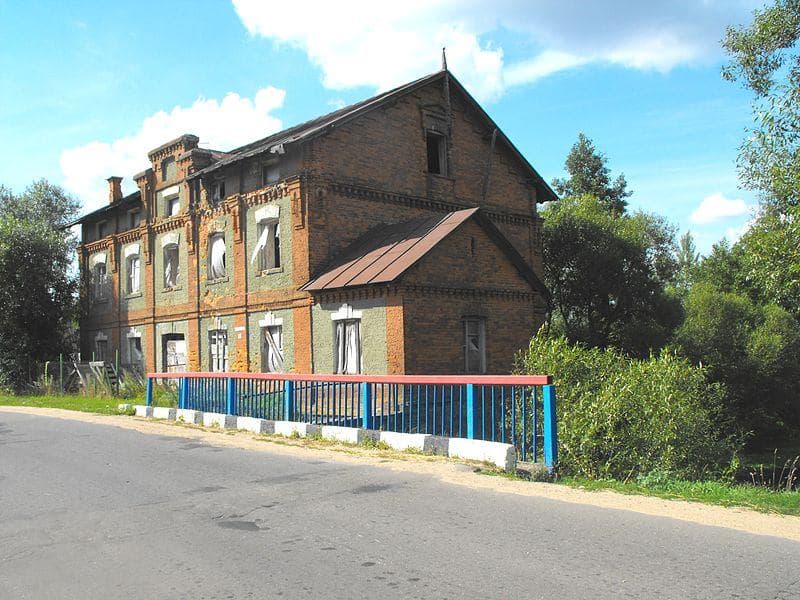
94, 511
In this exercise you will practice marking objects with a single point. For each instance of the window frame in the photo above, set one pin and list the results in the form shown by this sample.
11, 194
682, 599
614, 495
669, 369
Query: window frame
216, 235
266, 349
214, 335
273, 240
170, 248
101, 229
99, 282
130, 271
480, 323
135, 214
441, 151
338, 368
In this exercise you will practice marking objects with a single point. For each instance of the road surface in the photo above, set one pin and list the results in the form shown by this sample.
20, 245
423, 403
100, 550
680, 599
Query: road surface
95, 511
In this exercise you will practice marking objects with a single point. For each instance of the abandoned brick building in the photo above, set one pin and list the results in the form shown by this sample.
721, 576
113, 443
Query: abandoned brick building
397, 235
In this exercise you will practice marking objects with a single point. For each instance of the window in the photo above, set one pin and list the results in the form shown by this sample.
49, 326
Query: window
100, 281
173, 206
218, 193
218, 347
268, 246
102, 229
216, 256
475, 345
134, 218
174, 352
100, 350
270, 174
172, 269
347, 346
134, 273
169, 170
437, 153
135, 356
272, 349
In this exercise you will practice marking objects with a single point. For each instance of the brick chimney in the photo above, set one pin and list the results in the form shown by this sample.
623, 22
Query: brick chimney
114, 189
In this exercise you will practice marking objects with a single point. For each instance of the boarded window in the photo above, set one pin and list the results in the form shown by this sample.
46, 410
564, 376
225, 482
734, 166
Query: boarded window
272, 349
216, 256
218, 350
171, 266
475, 345
347, 346
174, 353
437, 153
134, 273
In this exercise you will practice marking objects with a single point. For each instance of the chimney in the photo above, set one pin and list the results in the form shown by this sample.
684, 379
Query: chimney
114, 189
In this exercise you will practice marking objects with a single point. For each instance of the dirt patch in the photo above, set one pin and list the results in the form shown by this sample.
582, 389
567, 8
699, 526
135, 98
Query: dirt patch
449, 471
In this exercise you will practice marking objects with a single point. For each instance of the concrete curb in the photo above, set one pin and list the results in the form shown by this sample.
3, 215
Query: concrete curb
143, 411
405, 441
291, 428
194, 417
501, 455
255, 425
349, 435
163, 412
220, 420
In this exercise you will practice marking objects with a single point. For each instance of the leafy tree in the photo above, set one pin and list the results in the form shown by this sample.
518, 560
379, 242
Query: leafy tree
589, 174
608, 275
687, 261
765, 59
39, 290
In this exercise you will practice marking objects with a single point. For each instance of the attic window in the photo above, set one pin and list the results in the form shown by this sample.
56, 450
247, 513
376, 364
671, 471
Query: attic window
270, 174
168, 169
102, 229
437, 153
218, 193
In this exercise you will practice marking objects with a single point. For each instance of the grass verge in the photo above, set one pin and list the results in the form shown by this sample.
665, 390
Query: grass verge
92, 404
752, 497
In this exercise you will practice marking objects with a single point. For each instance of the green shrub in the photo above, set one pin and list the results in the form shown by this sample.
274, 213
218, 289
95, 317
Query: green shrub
623, 418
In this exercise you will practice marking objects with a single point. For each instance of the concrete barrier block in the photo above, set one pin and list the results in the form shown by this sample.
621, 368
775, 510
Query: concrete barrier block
124, 408
404, 441
255, 425
501, 455
143, 411
291, 428
348, 435
220, 420
163, 412
195, 417
436, 444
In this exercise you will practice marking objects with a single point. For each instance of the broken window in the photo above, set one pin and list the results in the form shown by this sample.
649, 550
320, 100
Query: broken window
218, 193
474, 345
268, 246
134, 273
135, 356
218, 350
347, 346
102, 229
437, 153
134, 218
174, 352
216, 256
272, 349
270, 174
100, 281
173, 205
171, 266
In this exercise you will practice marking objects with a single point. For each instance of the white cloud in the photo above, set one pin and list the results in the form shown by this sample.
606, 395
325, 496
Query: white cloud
717, 207
222, 125
377, 44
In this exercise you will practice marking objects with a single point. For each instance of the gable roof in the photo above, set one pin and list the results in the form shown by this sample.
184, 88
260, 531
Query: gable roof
321, 125
384, 254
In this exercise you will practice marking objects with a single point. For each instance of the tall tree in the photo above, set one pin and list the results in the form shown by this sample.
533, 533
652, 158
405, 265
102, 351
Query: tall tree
765, 59
688, 259
39, 289
589, 174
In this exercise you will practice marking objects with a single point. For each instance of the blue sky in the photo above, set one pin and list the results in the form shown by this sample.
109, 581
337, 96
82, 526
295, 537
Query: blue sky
89, 87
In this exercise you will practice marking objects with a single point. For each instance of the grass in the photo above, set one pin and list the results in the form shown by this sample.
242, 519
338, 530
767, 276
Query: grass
94, 404
753, 497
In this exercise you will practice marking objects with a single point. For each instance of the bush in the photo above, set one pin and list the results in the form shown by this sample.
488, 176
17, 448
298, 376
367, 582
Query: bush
623, 418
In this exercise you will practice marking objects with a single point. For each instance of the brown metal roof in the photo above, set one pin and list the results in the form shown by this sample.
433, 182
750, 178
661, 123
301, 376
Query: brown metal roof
382, 255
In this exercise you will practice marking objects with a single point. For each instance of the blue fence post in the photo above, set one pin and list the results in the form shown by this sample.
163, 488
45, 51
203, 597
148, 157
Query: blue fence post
149, 392
183, 393
288, 400
471, 420
367, 414
550, 426
231, 396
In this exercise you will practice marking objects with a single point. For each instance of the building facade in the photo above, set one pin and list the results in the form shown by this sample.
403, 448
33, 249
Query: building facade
396, 235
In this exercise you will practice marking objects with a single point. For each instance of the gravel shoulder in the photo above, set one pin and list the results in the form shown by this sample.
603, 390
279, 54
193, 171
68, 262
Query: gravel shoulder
787, 527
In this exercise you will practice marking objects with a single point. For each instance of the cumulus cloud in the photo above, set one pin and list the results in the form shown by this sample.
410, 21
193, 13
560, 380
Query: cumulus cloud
717, 207
224, 124
359, 42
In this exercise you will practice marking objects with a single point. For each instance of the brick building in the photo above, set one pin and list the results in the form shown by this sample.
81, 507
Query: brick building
396, 235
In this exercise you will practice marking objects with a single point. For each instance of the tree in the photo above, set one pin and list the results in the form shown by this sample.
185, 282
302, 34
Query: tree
38, 294
766, 60
589, 174
608, 274
688, 259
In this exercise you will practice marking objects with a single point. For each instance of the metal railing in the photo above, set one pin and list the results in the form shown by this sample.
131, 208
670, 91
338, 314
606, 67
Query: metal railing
518, 410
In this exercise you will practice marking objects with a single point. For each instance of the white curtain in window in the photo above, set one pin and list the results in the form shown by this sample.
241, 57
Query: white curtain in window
217, 264
272, 338
348, 347
265, 250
